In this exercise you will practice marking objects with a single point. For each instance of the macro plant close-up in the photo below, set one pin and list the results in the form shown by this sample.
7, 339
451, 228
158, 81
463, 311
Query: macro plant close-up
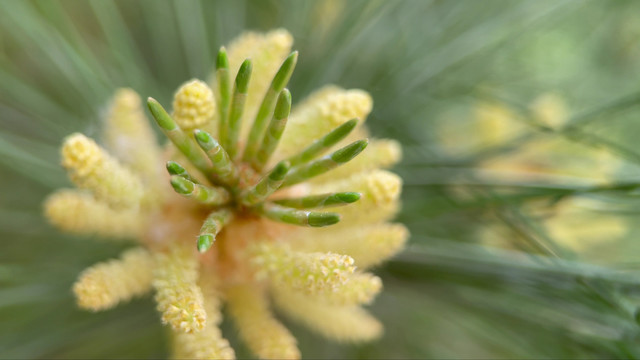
243, 203
319, 179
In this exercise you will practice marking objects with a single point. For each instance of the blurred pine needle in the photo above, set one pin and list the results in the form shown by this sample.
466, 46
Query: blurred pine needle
428, 64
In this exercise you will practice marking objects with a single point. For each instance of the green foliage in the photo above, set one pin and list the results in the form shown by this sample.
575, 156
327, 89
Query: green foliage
427, 64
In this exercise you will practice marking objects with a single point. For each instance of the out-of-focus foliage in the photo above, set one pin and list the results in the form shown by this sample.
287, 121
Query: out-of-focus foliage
524, 241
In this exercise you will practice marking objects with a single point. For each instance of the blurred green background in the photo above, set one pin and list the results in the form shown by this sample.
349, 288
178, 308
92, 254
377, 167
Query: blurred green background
524, 237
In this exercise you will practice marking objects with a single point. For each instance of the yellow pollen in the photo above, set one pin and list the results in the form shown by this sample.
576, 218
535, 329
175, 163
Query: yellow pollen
193, 105
79, 212
178, 296
104, 285
312, 273
91, 167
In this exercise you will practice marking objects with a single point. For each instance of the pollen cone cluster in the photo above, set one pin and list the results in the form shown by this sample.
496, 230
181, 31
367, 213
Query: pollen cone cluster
258, 202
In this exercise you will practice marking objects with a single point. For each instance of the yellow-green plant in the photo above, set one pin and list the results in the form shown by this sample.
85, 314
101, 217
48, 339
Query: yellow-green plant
247, 218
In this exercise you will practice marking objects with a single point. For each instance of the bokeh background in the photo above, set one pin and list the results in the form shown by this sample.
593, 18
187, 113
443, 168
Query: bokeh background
519, 122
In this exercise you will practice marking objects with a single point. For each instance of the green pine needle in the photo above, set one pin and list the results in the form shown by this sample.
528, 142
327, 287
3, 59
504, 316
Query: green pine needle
224, 93
182, 141
320, 201
267, 185
237, 108
223, 167
173, 168
265, 110
299, 217
216, 220
201, 193
274, 130
323, 144
329, 162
